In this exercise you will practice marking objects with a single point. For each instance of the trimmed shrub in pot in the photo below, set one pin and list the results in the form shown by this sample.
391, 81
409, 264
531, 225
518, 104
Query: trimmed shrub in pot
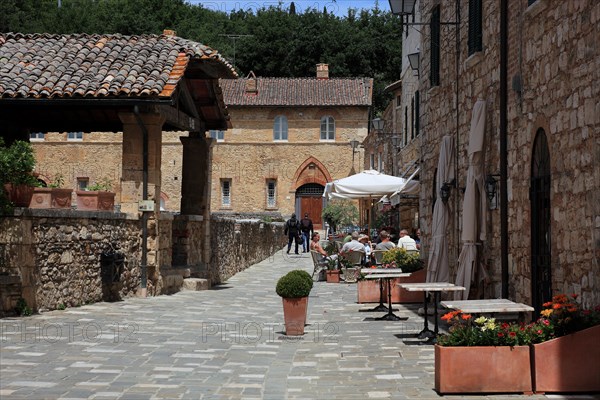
294, 288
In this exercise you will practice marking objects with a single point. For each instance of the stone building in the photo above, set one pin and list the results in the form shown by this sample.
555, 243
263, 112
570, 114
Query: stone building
290, 136
535, 66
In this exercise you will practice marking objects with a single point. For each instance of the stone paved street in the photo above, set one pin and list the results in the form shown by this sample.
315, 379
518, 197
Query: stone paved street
226, 343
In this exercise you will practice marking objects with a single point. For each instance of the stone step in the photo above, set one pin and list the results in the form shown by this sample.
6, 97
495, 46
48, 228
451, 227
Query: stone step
195, 284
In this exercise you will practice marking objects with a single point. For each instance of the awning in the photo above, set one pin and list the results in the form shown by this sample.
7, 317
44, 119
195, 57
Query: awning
410, 189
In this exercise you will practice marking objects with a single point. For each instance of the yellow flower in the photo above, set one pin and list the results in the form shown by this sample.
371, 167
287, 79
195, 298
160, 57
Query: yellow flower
546, 313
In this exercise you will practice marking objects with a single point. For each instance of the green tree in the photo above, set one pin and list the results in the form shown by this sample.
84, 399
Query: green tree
339, 213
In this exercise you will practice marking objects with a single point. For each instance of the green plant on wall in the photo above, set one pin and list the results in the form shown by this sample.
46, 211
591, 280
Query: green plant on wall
58, 181
104, 185
22, 308
17, 162
340, 213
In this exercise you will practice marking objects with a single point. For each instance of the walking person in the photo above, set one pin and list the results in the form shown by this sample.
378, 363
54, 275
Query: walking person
306, 226
292, 229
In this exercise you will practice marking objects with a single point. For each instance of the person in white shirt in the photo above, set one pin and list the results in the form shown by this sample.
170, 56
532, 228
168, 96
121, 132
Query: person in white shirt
406, 242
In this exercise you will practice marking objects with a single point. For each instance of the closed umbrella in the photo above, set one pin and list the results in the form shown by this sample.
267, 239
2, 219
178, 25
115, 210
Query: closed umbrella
474, 205
437, 265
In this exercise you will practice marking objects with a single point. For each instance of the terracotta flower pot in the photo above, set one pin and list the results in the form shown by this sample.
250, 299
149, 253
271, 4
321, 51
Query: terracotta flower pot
95, 200
333, 276
400, 295
19, 195
51, 198
294, 315
569, 363
484, 369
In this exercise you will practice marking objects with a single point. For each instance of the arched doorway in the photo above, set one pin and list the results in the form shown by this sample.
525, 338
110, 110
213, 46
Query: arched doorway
309, 199
541, 262
309, 183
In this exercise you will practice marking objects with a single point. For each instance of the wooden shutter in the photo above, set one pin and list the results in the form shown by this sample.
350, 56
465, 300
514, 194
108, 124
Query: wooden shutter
475, 26
434, 72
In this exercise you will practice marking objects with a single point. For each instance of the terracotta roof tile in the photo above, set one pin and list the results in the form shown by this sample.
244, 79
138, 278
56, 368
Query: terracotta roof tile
63, 66
299, 92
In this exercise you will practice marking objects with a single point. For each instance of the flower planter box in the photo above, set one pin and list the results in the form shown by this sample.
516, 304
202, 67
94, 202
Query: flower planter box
95, 200
333, 276
569, 363
368, 291
400, 295
51, 198
294, 315
483, 369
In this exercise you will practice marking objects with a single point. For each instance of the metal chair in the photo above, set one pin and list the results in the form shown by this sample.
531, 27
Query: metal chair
357, 259
378, 257
320, 265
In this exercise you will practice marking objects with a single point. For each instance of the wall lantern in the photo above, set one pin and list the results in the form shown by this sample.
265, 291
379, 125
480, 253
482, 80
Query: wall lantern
491, 188
413, 60
396, 141
378, 124
445, 190
402, 7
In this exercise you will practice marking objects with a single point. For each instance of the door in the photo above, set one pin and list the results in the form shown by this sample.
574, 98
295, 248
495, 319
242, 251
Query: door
541, 261
311, 202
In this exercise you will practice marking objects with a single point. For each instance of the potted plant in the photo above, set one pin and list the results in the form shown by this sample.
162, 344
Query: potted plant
294, 288
333, 273
16, 174
568, 361
97, 196
408, 262
483, 356
53, 196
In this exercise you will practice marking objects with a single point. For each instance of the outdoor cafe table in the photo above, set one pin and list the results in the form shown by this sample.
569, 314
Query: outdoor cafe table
388, 276
436, 288
367, 271
487, 306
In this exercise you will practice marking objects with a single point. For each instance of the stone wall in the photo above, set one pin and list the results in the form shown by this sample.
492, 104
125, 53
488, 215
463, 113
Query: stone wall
553, 75
57, 255
52, 258
237, 244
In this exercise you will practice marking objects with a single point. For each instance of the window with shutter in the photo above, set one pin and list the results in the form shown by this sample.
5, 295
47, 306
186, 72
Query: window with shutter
475, 41
412, 118
434, 72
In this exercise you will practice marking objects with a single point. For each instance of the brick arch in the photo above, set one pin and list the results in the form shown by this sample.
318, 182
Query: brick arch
311, 171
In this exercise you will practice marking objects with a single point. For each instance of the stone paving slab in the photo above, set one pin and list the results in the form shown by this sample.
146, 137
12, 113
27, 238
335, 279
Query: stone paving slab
224, 343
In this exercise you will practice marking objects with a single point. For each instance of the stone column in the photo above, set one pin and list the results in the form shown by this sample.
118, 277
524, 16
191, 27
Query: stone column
196, 174
196, 190
133, 167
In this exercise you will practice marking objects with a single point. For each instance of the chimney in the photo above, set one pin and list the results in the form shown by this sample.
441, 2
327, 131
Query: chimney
251, 86
322, 71
169, 32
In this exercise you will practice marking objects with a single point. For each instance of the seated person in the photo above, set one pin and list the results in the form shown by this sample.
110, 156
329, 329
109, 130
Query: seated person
386, 243
406, 242
316, 246
353, 245
364, 239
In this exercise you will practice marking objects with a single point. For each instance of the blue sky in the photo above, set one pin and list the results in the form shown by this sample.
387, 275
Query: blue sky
338, 7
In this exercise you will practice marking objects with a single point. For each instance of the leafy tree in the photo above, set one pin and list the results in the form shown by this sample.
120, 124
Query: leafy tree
340, 213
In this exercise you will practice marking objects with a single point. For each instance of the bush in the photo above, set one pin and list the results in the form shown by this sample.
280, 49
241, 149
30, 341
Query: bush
400, 258
294, 284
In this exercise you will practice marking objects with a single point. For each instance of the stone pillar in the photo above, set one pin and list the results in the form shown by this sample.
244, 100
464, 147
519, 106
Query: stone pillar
196, 188
133, 167
196, 174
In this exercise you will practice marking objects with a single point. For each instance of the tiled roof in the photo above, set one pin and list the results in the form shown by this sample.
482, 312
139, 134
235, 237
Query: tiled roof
299, 92
81, 65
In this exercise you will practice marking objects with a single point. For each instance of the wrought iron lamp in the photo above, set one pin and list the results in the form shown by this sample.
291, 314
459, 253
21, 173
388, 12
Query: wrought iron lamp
402, 7
378, 124
445, 190
491, 189
413, 60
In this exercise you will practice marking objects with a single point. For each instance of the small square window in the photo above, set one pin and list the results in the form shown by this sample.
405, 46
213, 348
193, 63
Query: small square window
218, 135
82, 183
75, 136
37, 136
